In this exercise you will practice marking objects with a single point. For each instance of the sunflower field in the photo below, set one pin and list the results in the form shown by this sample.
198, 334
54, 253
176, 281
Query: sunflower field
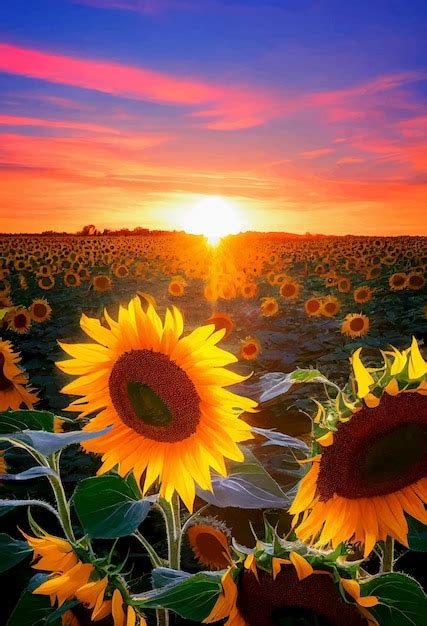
231, 434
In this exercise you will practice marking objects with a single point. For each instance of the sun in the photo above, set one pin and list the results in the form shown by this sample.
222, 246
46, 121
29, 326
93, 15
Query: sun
214, 217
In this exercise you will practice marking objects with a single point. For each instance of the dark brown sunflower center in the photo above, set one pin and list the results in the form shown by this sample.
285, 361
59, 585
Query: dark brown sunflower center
286, 601
379, 451
5, 383
393, 454
39, 310
154, 396
20, 320
356, 324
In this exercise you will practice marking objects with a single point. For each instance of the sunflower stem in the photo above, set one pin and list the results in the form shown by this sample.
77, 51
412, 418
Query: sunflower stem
61, 500
155, 559
388, 555
162, 616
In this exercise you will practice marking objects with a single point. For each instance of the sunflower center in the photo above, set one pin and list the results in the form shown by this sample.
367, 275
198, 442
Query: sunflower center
379, 451
5, 383
154, 396
295, 616
39, 310
393, 454
20, 320
356, 324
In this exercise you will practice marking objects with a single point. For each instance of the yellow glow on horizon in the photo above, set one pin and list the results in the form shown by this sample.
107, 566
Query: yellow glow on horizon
214, 217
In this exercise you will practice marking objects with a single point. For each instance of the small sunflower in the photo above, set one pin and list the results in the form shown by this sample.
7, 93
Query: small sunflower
71, 279
330, 306
415, 281
164, 396
249, 290
361, 295
344, 285
355, 325
102, 283
250, 349
369, 467
222, 321
313, 307
46, 282
177, 287
121, 271
19, 321
269, 307
290, 289
209, 541
397, 281
40, 310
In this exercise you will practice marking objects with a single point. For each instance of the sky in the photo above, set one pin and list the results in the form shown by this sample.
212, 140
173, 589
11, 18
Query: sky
299, 115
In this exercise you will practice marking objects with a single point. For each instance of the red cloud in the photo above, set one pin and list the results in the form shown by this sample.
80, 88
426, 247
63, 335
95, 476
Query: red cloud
14, 120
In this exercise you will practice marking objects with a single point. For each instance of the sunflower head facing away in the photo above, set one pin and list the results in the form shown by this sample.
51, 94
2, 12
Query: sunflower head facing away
13, 380
164, 394
284, 583
369, 465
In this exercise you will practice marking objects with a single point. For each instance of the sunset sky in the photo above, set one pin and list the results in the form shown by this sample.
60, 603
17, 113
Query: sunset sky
302, 115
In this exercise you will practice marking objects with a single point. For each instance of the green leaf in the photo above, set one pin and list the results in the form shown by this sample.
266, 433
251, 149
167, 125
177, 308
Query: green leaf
417, 535
248, 486
15, 421
32, 610
310, 376
47, 443
12, 551
402, 600
108, 508
193, 597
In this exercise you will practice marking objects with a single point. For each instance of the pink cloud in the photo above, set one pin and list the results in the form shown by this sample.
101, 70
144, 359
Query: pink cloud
14, 120
314, 154
350, 159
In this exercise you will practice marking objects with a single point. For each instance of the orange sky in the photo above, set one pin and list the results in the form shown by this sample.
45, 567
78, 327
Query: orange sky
97, 132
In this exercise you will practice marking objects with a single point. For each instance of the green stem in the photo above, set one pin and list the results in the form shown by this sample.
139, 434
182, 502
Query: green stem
61, 500
162, 616
388, 555
156, 561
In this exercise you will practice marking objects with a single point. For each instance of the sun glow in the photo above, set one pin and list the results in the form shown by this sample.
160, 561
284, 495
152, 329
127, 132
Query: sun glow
213, 217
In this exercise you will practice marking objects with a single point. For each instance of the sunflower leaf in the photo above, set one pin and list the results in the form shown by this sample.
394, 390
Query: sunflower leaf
417, 535
12, 551
33, 472
248, 486
15, 421
108, 508
48, 443
32, 610
402, 602
193, 597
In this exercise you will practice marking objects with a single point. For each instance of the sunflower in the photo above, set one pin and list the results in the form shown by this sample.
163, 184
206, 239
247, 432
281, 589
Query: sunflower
46, 282
269, 307
222, 321
71, 578
102, 282
312, 307
71, 279
274, 584
397, 281
415, 281
330, 306
176, 287
19, 321
121, 271
209, 541
40, 310
250, 349
373, 272
355, 325
290, 289
3, 464
361, 295
344, 285
164, 396
22, 282
370, 457
249, 290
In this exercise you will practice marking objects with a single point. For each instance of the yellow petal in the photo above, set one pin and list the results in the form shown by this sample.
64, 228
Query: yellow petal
303, 567
362, 377
417, 366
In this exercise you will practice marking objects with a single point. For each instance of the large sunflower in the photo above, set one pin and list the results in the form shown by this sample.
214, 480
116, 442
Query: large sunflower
13, 379
370, 463
163, 394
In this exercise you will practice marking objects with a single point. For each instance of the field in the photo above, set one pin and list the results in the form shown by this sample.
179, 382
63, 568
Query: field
284, 305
